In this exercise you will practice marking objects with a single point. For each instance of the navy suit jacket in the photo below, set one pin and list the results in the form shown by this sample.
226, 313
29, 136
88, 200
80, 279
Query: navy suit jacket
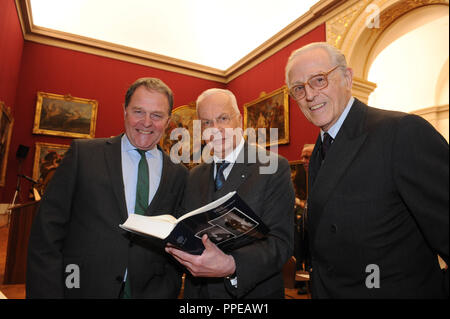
271, 196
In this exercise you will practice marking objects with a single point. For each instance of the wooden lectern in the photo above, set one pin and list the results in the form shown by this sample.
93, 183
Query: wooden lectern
19, 232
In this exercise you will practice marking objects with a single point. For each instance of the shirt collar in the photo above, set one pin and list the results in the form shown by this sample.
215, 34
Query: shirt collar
337, 126
128, 147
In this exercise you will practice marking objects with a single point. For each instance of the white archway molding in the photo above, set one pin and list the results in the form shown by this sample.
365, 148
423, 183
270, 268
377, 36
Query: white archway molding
353, 31
408, 68
359, 30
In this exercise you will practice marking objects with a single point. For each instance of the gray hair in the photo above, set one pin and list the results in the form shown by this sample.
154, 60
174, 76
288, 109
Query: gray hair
153, 84
215, 91
335, 55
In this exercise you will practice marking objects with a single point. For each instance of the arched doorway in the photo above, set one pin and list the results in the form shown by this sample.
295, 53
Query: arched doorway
372, 32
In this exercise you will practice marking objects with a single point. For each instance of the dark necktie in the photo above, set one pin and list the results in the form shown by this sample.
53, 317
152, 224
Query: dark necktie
220, 178
142, 190
142, 186
326, 144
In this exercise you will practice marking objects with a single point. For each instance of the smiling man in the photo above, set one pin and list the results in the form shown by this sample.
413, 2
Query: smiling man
252, 271
99, 183
378, 188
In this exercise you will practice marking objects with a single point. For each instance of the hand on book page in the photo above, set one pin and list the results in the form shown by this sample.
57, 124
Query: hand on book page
213, 262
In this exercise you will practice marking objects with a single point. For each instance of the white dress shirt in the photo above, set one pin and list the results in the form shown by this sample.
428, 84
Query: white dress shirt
333, 131
130, 164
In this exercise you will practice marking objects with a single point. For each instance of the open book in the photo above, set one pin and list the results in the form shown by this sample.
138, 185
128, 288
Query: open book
228, 221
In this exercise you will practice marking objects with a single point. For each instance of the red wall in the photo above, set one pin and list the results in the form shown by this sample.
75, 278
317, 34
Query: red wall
28, 67
61, 71
268, 76
11, 45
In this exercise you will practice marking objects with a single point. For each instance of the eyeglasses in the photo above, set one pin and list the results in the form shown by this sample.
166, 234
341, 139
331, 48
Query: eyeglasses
316, 82
223, 119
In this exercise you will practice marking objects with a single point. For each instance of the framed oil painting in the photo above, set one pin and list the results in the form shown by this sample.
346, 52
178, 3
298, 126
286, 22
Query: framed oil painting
299, 179
65, 115
182, 117
6, 124
269, 111
47, 158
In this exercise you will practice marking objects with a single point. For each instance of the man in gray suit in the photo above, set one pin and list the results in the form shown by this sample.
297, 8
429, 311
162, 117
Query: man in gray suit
252, 271
77, 249
378, 188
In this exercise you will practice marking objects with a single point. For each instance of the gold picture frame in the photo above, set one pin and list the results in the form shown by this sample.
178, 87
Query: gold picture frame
182, 117
65, 115
6, 125
269, 111
47, 157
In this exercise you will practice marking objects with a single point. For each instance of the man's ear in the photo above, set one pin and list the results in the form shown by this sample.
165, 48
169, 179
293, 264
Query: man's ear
168, 121
348, 74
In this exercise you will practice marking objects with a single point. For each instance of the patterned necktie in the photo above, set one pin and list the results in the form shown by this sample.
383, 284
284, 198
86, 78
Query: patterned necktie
326, 144
142, 186
220, 178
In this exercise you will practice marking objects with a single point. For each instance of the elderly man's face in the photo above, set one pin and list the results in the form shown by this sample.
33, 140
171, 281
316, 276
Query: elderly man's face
322, 107
216, 110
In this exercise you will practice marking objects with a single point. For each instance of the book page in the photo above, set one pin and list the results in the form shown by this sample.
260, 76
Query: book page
156, 226
207, 207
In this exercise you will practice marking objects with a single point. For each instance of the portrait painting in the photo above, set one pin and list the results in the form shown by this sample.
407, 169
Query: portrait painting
182, 117
269, 111
6, 124
64, 115
47, 158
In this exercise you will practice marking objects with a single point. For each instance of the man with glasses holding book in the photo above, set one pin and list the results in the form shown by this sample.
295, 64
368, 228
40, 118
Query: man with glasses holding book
254, 270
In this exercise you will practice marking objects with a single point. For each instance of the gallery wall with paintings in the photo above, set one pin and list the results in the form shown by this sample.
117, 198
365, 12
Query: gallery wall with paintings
65, 73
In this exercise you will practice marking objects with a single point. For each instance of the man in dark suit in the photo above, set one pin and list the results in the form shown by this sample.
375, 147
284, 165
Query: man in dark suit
252, 271
77, 249
378, 189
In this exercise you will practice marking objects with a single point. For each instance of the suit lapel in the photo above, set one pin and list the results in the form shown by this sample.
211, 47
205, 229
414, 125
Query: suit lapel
314, 163
113, 159
163, 183
205, 175
345, 147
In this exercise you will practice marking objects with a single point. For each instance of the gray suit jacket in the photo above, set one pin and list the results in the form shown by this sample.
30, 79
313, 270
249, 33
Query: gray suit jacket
78, 223
379, 198
271, 196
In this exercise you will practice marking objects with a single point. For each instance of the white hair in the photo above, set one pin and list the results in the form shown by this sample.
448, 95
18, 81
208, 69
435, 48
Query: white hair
335, 55
215, 91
